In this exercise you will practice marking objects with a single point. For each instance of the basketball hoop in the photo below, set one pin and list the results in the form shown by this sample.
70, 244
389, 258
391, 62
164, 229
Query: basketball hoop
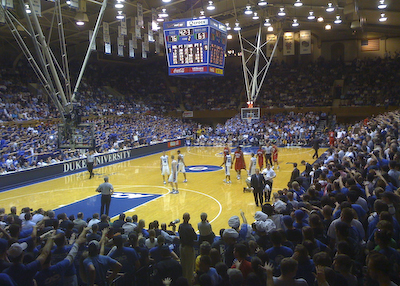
249, 118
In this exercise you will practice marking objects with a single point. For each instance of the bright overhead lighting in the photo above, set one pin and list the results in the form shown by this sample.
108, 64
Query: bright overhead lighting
229, 37
255, 16
328, 27
228, 28
120, 16
202, 14
281, 12
119, 4
80, 23
295, 23
160, 19
382, 4
383, 18
311, 16
338, 20
267, 23
298, 3
27, 9
166, 1
320, 19
237, 27
81, 18
262, 3
248, 10
210, 6
68, 2
330, 7
270, 29
163, 13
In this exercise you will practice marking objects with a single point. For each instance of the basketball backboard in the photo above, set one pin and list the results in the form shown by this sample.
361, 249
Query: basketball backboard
80, 136
250, 113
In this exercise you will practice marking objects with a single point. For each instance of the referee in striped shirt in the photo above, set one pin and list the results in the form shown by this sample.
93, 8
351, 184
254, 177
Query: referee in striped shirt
90, 163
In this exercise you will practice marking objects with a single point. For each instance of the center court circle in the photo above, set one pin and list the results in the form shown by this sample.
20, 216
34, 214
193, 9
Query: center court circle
202, 168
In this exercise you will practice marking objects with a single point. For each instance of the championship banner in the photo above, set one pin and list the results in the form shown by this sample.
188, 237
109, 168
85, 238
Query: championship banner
271, 40
119, 31
37, 7
7, 3
120, 41
305, 42
161, 32
288, 44
106, 30
131, 49
150, 32
154, 24
2, 17
146, 43
93, 47
134, 42
140, 14
144, 53
124, 30
157, 44
138, 33
106, 38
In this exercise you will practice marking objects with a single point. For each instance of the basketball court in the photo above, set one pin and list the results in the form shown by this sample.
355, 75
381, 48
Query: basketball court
139, 188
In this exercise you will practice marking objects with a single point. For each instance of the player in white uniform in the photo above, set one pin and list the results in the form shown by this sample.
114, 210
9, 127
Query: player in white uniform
252, 166
173, 178
181, 166
164, 166
228, 165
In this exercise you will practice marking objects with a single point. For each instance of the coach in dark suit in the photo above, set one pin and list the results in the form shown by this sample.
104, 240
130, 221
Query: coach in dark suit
295, 173
258, 183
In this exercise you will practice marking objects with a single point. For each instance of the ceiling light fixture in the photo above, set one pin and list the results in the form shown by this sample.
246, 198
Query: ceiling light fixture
68, 2
163, 13
166, 1
229, 37
81, 18
330, 8
119, 4
267, 23
270, 29
160, 19
382, 4
311, 15
255, 16
281, 12
228, 28
320, 19
210, 6
383, 18
262, 3
295, 23
248, 10
328, 27
337, 20
298, 3
27, 9
237, 27
120, 16
202, 14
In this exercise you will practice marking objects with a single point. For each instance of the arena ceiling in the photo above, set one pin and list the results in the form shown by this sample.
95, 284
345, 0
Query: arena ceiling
360, 18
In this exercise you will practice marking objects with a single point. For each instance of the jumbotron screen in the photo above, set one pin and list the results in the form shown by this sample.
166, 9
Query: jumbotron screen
195, 47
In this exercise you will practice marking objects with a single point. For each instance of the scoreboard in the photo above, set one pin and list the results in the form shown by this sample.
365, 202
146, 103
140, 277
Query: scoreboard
195, 47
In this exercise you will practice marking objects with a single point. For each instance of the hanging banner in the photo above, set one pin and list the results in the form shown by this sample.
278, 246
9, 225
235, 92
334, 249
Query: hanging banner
93, 47
146, 43
119, 31
106, 29
120, 41
7, 3
131, 49
305, 42
138, 33
157, 44
74, 4
2, 17
288, 44
107, 44
134, 40
271, 40
150, 32
144, 53
154, 23
37, 7
140, 14
124, 30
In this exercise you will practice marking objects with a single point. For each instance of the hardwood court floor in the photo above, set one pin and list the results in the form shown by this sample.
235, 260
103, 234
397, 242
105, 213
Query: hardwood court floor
204, 191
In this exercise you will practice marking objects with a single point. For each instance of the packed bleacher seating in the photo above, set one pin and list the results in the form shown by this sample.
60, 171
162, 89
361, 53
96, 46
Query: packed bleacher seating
335, 224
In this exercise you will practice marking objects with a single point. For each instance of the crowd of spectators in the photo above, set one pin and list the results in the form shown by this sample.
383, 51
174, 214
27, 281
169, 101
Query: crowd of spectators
335, 224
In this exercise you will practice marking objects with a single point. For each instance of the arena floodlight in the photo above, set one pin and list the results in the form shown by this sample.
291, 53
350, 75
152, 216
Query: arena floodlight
311, 15
262, 3
337, 20
383, 18
295, 23
298, 3
382, 4
210, 6
281, 12
330, 8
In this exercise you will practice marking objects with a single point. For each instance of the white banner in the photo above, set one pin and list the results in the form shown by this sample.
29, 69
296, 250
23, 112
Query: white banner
271, 39
120, 41
305, 42
2, 17
131, 49
140, 14
106, 29
107, 44
288, 44
146, 43
144, 53
151, 35
93, 47
161, 33
74, 4
157, 44
134, 39
138, 33
124, 30
37, 7
8, 3
154, 23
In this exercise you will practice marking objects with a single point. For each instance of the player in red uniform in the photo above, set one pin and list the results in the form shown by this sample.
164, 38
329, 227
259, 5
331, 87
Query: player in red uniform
331, 138
239, 161
275, 155
260, 156
226, 150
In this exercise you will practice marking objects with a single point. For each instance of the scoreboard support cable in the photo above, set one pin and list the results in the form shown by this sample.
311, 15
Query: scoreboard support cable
195, 47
